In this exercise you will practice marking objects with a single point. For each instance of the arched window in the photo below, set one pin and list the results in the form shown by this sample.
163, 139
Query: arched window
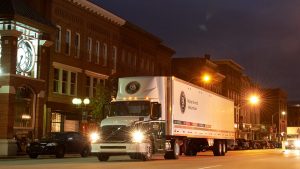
24, 107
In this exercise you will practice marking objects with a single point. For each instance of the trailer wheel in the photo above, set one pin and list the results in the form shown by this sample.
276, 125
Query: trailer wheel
217, 148
174, 153
224, 148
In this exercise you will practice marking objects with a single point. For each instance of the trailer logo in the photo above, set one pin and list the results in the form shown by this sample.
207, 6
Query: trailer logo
132, 87
182, 102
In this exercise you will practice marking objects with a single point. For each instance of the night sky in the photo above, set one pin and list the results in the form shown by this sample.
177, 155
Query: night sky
263, 36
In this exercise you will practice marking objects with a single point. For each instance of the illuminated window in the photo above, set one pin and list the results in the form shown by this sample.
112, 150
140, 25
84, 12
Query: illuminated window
24, 108
56, 121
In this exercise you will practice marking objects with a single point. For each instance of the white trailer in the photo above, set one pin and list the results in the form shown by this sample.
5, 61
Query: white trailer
166, 115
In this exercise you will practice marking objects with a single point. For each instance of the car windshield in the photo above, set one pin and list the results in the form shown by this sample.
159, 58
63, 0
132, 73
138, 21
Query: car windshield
130, 108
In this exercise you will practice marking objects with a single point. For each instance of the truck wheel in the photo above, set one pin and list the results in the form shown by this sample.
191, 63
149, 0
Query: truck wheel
148, 154
223, 152
217, 148
102, 157
174, 153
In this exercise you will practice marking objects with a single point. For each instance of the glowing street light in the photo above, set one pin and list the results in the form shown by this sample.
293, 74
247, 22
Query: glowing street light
206, 78
254, 100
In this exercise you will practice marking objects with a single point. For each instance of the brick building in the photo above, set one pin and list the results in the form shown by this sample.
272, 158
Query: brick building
55, 50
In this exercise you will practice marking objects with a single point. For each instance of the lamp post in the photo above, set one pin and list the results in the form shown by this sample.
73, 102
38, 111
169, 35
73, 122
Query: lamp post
78, 102
283, 113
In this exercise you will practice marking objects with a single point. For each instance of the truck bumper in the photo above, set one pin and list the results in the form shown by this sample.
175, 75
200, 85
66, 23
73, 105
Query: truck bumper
119, 148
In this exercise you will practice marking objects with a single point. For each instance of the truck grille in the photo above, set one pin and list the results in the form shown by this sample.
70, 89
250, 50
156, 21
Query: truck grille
115, 133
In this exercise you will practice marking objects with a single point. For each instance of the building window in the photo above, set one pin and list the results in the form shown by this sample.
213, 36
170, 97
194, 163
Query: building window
97, 52
92, 84
64, 82
56, 80
89, 49
73, 83
77, 45
104, 50
24, 107
56, 121
114, 58
68, 42
58, 38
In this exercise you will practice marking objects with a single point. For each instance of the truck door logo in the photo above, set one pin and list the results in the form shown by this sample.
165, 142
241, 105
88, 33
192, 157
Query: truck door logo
182, 102
132, 87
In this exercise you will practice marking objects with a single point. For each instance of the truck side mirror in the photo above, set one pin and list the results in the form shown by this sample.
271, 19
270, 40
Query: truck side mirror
155, 111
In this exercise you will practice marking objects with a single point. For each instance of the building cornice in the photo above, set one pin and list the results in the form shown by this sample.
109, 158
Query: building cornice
100, 11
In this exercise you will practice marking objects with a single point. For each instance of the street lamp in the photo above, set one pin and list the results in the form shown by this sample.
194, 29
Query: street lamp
78, 102
283, 113
206, 78
252, 100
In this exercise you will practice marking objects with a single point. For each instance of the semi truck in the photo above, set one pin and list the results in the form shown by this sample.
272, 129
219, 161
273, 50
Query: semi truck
292, 139
163, 115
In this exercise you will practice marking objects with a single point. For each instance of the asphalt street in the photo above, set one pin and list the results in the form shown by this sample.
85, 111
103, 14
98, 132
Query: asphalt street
248, 159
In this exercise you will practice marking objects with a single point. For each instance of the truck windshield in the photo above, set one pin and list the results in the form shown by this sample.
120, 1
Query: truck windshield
130, 108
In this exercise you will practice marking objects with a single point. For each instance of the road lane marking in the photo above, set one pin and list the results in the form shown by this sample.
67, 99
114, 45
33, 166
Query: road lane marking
214, 166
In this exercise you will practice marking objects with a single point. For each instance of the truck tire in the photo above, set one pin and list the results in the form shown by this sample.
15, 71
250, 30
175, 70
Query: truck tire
217, 148
102, 157
174, 153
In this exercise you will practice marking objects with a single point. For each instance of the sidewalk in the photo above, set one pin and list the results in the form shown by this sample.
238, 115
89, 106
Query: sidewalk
19, 155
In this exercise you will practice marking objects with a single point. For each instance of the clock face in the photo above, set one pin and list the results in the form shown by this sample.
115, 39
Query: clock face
25, 57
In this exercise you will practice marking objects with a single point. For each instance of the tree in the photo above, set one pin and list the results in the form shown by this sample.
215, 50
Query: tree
103, 96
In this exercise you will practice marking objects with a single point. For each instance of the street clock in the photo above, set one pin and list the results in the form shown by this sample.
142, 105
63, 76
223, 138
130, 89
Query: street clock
25, 56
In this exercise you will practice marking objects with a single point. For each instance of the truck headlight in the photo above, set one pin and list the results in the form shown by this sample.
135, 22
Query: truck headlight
94, 137
137, 136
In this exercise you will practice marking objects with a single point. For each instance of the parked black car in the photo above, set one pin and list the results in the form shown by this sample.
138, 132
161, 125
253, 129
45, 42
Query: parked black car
60, 143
